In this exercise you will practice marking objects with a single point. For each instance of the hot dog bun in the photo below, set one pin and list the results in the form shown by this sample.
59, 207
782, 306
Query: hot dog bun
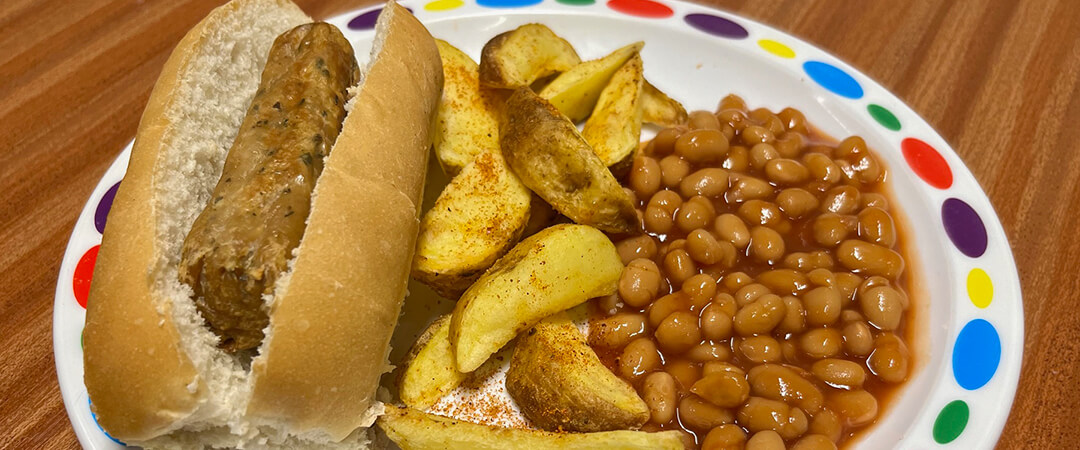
152, 368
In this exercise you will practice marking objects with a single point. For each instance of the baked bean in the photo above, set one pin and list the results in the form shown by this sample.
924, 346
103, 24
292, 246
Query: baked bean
761, 154
641, 246
679, 266
726, 302
760, 349
618, 330
658, 391
829, 230
866, 169
765, 440
644, 177
609, 304
670, 246
760, 316
793, 120
874, 200
855, 408
732, 101
664, 142
889, 361
822, 168
777, 382
784, 281
839, 373
724, 389
685, 372
709, 352
857, 339
716, 324
796, 202
814, 442
761, 212
877, 281
709, 182
731, 228
729, 132
851, 315
664, 306
870, 259
882, 306
756, 134
809, 261
735, 280
826, 423
847, 283
737, 159
823, 306
678, 332
851, 146
639, 283
697, 212
786, 172
702, 146
773, 123
639, 357
734, 118
658, 221
701, 120
745, 187
794, 320
715, 367
766, 245
700, 415
821, 343
760, 115
666, 200
822, 277
876, 226
841, 200
789, 144
672, 170
750, 292
759, 414
700, 289
724, 437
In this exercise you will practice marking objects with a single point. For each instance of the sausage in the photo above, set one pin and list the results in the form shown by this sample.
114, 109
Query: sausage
241, 242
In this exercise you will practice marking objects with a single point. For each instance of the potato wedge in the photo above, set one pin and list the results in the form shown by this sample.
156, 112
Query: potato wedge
430, 371
412, 429
551, 271
659, 109
548, 154
466, 120
521, 56
560, 384
475, 220
576, 91
614, 128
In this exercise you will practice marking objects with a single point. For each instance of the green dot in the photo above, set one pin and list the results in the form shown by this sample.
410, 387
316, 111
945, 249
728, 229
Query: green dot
950, 422
884, 117
577, 2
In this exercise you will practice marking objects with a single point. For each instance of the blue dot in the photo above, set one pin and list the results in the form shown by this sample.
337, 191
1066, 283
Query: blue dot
976, 354
832, 78
507, 3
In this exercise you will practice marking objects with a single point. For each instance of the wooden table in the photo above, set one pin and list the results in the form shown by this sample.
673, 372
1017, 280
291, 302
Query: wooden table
999, 79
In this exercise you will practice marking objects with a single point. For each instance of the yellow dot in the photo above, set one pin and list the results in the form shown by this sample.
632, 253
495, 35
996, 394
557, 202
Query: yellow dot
776, 48
443, 5
979, 287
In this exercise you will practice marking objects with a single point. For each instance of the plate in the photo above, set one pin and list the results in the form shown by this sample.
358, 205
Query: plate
969, 307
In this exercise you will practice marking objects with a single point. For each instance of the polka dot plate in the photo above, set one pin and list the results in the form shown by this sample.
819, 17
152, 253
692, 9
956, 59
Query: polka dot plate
967, 304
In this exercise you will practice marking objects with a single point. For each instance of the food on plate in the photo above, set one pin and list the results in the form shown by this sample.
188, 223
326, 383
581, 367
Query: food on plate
560, 384
770, 282
548, 154
549, 272
519, 57
329, 252
659, 109
477, 218
430, 370
575, 91
412, 429
467, 119
614, 128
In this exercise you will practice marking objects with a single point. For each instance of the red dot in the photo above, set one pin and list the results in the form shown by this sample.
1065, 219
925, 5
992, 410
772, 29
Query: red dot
84, 271
927, 163
641, 8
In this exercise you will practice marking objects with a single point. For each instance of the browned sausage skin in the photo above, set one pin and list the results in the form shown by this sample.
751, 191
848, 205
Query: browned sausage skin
241, 242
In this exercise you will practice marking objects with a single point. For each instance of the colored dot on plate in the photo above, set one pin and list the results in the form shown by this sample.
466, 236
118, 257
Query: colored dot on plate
834, 79
84, 271
776, 48
443, 5
927, 163
976, 354
884, 117
951, 421
717, 26
507, 3
577, 2
366, 20
964, 227
979, 287
102, 211
641, 8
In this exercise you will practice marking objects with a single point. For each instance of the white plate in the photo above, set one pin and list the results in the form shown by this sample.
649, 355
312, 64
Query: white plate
969, 308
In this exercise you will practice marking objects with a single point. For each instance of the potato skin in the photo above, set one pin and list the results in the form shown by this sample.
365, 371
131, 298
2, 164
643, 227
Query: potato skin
523, 55
548, 154
560, 384
614, 128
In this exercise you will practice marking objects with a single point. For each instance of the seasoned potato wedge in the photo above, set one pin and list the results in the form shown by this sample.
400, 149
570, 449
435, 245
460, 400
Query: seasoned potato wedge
560, 384
430, 371
659, 109
614, 128
475, 220
466, 120
412, 429
551, 271
521, 56
548, 154
576, 91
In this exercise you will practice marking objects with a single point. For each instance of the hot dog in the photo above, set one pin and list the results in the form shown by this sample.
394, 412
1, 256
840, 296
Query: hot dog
257, 252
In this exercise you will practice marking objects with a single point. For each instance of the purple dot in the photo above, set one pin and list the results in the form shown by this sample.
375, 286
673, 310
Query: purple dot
102, 211
717, 26
366, 21
964, 227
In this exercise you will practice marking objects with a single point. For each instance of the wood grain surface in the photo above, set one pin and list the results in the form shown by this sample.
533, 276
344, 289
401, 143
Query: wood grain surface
999, 79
